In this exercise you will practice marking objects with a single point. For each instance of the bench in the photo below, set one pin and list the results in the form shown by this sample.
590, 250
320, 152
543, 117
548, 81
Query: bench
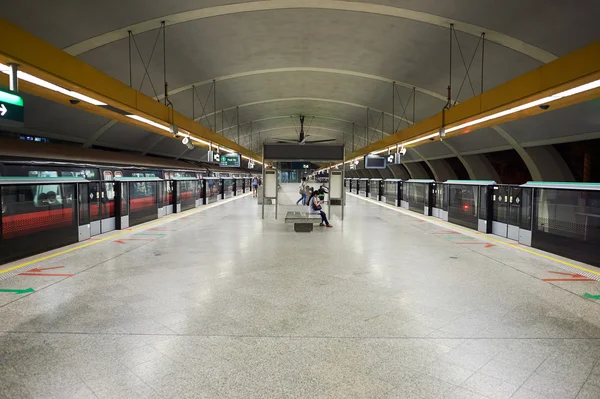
303, 221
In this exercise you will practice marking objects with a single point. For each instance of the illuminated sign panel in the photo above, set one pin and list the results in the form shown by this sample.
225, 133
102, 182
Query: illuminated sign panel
230, 160
12, 107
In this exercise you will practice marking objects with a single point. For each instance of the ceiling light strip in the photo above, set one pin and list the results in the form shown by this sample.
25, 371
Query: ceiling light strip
546, 100
149, 122
51, 86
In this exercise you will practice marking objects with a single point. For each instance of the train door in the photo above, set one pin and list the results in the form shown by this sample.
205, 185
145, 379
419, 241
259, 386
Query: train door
169, 208
514, 212
162, 202
95, 207
107, 202
525, 217
500, 199
83, 200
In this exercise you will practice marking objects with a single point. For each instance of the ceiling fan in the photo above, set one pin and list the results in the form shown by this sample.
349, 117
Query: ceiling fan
302, 136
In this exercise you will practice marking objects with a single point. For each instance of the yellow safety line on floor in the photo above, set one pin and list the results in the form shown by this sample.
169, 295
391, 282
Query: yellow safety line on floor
486, 237
141, 227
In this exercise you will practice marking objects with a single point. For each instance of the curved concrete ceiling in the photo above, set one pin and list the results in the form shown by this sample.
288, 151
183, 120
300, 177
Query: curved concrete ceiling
331, 59
310, 99
341, 72
286, 117
269, 5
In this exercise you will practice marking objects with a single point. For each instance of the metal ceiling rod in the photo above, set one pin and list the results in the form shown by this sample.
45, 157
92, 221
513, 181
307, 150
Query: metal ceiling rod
367, 126
130, 72
404, 109
215, 103
449, 103
164, 32
237, 119
147, 66
204, 114
467, 68
482, 58
414, 96
393, 107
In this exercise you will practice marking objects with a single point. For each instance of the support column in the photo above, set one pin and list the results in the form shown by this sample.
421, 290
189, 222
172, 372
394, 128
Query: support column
481, 168
442, 170
435, 176
550, 163
400, 172
416, 171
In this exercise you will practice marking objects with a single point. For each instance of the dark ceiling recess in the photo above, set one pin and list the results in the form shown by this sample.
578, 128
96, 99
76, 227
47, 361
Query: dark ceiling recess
427, 169
510, 167
583, 158
402, 173
458, 168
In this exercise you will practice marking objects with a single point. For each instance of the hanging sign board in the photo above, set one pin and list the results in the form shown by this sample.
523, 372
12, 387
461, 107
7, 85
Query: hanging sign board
394, 158
12, 107
375, 162
230, 160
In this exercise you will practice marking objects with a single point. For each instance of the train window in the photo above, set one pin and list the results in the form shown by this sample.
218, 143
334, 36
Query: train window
48, 194
108, 175
118, 174
43, 173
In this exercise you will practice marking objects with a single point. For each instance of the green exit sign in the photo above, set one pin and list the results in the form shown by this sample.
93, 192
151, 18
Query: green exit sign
230, 160
11, 107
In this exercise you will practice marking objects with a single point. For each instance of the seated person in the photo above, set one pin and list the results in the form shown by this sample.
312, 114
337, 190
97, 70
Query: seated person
51, 197
42, 199
315, 206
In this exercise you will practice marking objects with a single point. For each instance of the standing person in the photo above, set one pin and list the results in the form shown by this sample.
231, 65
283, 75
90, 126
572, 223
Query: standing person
302, 192
254, 186
315, 206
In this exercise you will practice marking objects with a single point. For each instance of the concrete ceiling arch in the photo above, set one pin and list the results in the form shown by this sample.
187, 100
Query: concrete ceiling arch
309, 99
328, 58
338, 5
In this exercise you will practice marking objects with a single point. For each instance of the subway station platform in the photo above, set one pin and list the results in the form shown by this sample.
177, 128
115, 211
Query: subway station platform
216, 303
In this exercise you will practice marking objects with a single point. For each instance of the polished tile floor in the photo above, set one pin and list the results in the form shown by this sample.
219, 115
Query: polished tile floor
220, 304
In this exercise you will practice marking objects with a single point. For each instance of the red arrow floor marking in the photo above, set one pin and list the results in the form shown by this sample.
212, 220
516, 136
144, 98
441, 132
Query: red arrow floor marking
485, 244
574, 277
38, 272
40, 269
122, 241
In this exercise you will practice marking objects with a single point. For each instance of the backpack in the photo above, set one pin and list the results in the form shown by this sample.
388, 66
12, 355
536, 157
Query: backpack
301, 189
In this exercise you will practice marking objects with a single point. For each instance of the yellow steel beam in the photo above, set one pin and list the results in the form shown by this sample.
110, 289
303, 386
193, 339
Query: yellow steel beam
570, 71
47, 62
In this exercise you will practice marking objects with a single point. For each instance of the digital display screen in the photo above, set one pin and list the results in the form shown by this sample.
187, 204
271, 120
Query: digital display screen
375, 162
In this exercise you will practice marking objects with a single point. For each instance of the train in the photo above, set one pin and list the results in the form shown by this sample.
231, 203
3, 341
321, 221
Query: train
48, 191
